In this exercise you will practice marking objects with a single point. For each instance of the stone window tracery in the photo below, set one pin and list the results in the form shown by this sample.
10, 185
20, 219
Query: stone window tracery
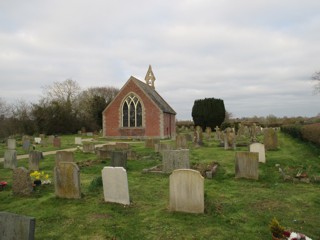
132, 112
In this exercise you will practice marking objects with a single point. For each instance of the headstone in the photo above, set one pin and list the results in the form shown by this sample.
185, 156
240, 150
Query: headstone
160, 147
103, 154
78, 140
181, 141
115, 185
253, 132
11, 143
67, 180
57, 142
64, 156
16, 227
149, 143
247, 165
197, 138
89, 134
34, 160
119, 159
37, 140
50, 139
208, 133
229, 139
186, 191
122, 146
175, 159
88, 147
10, 159
21, 183
44, 142
26, 145
259, 148
270, 139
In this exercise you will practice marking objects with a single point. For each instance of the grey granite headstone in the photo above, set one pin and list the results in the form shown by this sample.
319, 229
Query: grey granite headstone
16, 227
115, 185
67, 180
119, 159
175, 159
186, 191
21, 183
247, 165
10, 159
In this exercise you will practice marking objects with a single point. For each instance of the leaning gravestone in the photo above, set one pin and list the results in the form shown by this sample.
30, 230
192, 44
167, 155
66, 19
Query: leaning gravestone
186, 191
16, 227
259, 148
21, 183
67, 180
64, 156
247, 165
115, 185
10, 159
270, 139
34, 160
119, 159
175, 159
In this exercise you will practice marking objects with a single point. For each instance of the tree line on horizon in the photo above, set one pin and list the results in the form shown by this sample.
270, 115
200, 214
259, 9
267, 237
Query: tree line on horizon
63, 109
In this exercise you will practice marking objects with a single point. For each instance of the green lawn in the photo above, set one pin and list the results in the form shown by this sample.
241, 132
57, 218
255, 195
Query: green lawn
234, 208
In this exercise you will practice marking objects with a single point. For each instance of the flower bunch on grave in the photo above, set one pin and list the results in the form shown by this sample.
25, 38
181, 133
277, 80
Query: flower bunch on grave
295, 236
40, 177
2, 185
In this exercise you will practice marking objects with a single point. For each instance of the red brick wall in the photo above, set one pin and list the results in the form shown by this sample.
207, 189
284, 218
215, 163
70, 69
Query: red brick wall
169, 125
151, 115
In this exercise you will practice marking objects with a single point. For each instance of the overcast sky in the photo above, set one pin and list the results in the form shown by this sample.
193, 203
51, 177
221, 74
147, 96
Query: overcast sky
256, 55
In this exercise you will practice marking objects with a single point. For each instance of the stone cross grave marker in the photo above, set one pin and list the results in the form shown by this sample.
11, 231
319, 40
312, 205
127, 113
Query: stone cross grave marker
259, 148
67, 180
10, 159
16, 227
247, 165
21, 183
175, 159
115, 185
186, 191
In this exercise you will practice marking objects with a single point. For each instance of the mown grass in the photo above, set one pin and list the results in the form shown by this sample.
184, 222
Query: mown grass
234, 208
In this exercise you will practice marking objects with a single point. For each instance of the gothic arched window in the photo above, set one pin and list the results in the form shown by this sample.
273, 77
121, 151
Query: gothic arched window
131, 112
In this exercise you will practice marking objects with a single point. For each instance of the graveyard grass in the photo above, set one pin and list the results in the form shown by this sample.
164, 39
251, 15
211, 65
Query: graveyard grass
234, 208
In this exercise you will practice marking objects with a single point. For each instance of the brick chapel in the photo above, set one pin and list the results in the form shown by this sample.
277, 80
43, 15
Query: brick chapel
138, 111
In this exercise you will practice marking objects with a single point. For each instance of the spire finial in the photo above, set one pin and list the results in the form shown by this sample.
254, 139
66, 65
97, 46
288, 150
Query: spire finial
150, 78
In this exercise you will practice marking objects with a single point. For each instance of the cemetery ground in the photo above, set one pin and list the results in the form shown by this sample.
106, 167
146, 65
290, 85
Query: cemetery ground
234, 208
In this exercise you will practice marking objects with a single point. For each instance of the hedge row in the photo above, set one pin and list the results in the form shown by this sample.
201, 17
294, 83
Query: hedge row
310, 132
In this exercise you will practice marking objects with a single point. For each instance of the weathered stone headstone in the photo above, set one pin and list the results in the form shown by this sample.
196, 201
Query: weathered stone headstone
217, 134
119, 159
44, 142
197, 138
160, 147
64, 156
26, 145
88, 147
78, 140
11, 143
259, 148
103, 154
57, 142
115, 185
122, 146
34, 160
89, 134
247, 165
270, 139
16, 227
149, 143
175, 159
10, 159
186, 191
208, 133
181, 141
21, 183
50, 139
67, 180
229, 139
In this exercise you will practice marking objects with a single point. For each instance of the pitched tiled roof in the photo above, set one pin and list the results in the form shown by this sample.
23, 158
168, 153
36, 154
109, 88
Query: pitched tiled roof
156, 98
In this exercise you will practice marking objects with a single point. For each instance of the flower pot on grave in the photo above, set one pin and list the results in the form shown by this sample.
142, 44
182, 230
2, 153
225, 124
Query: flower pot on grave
37, 182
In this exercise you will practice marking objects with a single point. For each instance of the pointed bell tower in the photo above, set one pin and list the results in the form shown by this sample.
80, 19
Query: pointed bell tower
150, 78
